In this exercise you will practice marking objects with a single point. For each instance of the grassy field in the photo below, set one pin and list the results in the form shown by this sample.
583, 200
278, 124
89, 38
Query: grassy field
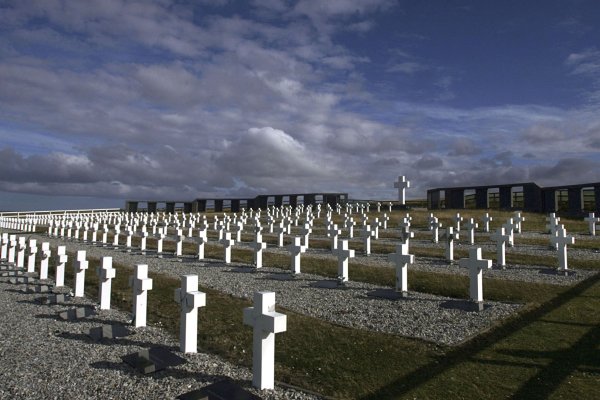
549, 350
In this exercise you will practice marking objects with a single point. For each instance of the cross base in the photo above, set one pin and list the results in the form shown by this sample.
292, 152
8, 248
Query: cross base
565, 272
476, 306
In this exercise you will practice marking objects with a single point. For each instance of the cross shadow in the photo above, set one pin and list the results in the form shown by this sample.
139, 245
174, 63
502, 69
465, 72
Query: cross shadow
544, 382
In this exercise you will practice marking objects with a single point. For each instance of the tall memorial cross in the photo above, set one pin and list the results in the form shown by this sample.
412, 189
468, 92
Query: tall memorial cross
140, 283
227, 243
509, 226
457, 220
32, 253
486, 222
79, 267
471, 225
105, 273
401, 259
59, 278
518, 220
561, 240
266, 322
402, 184
189, 299
592, 220
296, 249
343, 254
44, 260
449, 237
475, 264
501, 239
333, 232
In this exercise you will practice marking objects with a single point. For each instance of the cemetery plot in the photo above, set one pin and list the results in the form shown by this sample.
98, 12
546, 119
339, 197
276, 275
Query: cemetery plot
363, 280
152, 360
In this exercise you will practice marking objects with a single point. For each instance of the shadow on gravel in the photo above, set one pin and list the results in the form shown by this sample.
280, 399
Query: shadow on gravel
82, 337
162, 374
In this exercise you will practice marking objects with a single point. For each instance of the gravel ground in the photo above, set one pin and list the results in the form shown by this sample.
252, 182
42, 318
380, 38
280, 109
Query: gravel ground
44, 357
433, 318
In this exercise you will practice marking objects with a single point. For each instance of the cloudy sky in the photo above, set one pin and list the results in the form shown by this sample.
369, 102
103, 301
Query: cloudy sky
112, 99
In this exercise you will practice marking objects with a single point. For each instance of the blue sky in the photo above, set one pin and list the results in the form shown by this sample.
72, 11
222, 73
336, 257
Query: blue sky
113, 99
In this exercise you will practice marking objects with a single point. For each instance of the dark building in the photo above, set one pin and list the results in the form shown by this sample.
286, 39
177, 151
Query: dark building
236, 204
575, 200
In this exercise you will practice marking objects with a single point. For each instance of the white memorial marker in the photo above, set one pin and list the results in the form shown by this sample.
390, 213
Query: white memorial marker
434, 227
159, 242
44, 260
305, 231
457, 220
367, 234
105, 274
592, 220
190, 300
227, 243
258, 246
296, 249
401, 258
79, 267
518, 220
509, 227
22, 246
402, 184
476, 264
31, 258
59, 278
562, 240
140, 284
179, 245
486, 222
343, 254
12, 249
501, 239
266, 322
471, 225
5, 241
333, 232
449, 237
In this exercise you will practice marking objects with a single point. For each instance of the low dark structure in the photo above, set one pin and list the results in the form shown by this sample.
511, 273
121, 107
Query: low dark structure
574, 200
236, 204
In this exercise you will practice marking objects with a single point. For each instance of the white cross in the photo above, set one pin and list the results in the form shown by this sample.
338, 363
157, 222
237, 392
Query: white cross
450, 236
349, 224
486, 222
44, 261
179, 248
367, 234
32, 252
501, 239
406, 235
458, 219
258, 246
553, 221
518, 220
402, 184
59, 279
592, 221
105, 274
296, 249
227, 244
509, 226
401, 258
561, 240
375, 228
266, 323
80, 265
190, 299
471, 225
434, 226
475, 264
385, 219
22, 246
333, 232
140, 284
343, 254
305, 231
